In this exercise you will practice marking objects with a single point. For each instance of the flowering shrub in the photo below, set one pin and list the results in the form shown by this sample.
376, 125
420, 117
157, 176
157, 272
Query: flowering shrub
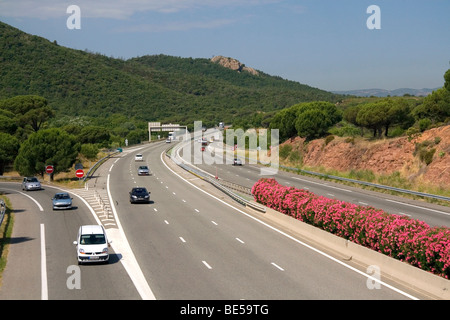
402, 238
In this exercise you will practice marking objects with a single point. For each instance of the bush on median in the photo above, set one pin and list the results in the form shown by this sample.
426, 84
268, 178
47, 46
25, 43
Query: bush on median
400, 237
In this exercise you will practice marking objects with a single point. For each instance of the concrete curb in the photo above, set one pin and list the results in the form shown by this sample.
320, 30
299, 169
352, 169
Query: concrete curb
413, 277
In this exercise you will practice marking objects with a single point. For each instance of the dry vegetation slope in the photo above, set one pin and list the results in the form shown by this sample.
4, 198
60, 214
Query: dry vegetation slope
422, 159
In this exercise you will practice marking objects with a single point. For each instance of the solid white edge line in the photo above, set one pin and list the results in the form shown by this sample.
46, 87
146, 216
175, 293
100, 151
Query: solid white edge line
130, 263
277, 266
419, 207
26, 195
292, 238
321, 184
44, 282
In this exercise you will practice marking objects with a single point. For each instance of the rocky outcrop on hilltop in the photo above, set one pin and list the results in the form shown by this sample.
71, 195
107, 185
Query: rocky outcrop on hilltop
233, 64
425, 157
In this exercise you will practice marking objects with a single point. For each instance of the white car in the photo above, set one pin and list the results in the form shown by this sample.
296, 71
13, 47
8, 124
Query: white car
138, 157
92, 244
237, 162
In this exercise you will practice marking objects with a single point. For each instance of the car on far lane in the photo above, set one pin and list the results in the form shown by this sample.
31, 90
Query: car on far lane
143, 171
138, 157
62, 200
237, 162
139, 194
31, 183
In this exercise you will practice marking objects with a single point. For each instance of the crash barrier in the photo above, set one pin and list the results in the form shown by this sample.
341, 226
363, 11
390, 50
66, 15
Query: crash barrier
99, 162
219, 184
236, 187
373, 185
2, 210
92, 170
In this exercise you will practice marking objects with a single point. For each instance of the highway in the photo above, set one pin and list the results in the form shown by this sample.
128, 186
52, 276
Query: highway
189, 242
192, 245
248, 174
41, 232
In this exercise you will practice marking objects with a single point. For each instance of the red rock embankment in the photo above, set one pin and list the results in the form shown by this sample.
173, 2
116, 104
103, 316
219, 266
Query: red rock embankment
385, 156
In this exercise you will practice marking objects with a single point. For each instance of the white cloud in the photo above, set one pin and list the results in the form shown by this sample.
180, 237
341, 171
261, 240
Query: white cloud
112, 9
176, 26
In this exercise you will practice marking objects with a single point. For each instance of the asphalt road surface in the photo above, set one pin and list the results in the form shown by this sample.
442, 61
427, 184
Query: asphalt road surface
189, 242
192, 245
42, 259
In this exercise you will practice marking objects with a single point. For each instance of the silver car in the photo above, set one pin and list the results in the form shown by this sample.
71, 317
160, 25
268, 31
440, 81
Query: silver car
143, 171
62, 200
31, 183
237, 162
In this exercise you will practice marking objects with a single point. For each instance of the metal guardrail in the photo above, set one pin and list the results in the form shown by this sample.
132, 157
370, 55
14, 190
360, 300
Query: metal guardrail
235, 186
97, 164
2, 210
217, 184
374, 185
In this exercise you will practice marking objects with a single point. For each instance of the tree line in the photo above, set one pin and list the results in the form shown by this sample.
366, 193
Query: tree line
31, 136
316, 119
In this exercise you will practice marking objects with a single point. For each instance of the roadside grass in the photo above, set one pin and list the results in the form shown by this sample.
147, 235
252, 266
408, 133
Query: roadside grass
5, 235
394, 179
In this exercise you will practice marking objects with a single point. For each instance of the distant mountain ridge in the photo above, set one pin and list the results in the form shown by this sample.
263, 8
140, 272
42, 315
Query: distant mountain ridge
384, 93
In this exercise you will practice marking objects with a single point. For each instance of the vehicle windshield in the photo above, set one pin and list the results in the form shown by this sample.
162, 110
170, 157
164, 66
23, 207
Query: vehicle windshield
92, 239
140, 190
143, 167
62, 196
32, 180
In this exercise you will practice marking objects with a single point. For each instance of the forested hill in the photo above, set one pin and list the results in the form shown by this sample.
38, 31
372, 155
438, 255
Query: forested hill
150, 88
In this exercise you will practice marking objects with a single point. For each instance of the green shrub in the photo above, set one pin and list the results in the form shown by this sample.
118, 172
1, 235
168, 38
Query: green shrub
328, 139
285, 150
427, 155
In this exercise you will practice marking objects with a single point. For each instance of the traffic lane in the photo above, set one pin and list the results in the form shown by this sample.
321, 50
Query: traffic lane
134, 217
247, 175
432, 214
216, 221
63, 272
67, 280
21, 277
209, 242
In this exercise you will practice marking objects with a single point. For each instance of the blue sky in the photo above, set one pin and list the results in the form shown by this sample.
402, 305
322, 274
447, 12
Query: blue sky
321, 43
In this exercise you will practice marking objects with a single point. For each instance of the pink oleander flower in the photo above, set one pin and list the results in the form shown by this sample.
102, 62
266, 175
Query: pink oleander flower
402, 238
